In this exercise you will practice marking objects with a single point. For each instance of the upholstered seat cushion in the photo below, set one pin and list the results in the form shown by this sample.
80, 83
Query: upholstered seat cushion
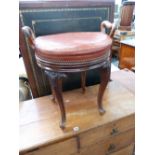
72, 46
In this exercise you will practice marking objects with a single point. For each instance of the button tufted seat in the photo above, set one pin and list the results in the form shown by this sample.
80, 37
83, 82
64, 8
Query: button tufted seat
73, 52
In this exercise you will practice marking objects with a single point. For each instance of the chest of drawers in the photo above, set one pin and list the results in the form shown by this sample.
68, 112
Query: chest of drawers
109, 134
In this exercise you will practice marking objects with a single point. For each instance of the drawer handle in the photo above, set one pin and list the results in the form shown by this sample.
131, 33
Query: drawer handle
111, 147
114, 131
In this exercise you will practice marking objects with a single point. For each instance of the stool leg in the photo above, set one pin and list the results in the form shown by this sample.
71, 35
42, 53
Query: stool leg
53, 95
56, 84
53, 91
58, 94
83, 81
104, 75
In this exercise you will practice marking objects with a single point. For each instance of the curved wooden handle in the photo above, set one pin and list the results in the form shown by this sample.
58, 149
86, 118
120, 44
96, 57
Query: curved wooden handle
108, 25
29, 34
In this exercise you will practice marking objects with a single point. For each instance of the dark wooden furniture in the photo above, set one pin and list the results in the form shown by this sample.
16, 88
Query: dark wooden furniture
127, 54
86, 132
72, 52
124, 27
126, 15
55, 16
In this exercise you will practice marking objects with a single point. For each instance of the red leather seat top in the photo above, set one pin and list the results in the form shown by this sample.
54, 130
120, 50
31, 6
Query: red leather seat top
72, 46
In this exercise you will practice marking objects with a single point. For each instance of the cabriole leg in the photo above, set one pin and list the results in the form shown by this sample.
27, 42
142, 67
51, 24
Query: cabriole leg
53, 95
104, 76
56, 84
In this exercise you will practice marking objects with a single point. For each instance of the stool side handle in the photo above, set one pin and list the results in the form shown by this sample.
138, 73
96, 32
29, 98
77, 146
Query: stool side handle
108, 25
28, 33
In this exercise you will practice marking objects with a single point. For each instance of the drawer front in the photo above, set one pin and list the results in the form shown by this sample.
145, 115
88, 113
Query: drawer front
125, 151
62, 148
110, 145
98, 134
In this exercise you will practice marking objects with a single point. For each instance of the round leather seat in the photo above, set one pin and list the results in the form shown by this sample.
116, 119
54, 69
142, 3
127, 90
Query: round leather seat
72, 47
